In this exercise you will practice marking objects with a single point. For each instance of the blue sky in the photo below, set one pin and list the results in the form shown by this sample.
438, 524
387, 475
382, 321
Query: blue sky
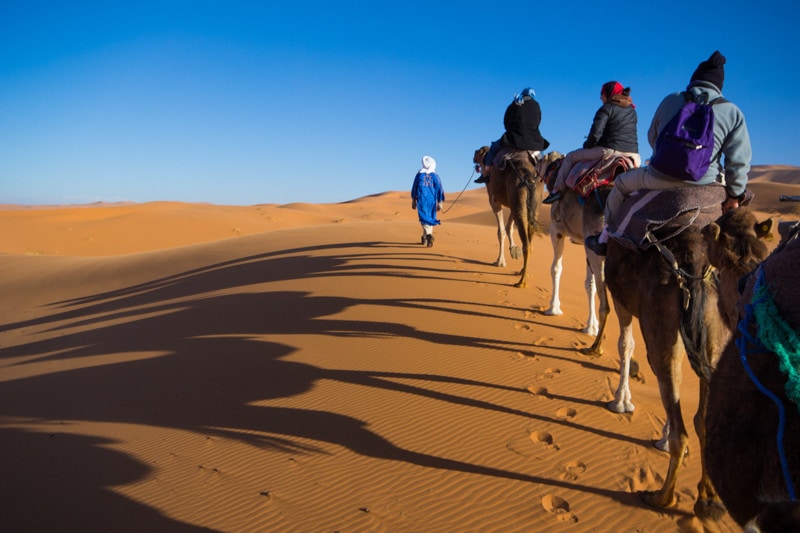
242, 103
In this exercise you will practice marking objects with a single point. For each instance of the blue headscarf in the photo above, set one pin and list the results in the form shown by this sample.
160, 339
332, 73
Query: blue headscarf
527, 92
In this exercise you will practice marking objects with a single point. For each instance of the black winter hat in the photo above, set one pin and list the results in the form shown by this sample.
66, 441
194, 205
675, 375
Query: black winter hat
711, 70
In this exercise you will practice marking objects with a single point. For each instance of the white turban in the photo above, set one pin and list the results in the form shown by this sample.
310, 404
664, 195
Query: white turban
428, 165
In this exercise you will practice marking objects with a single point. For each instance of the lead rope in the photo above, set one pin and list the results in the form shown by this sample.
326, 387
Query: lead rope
459, 194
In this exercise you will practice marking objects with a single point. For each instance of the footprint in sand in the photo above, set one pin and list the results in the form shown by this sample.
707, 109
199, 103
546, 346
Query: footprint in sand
572, 470
549, 373
522, 356
642, 478
525, 327
545, 439
539, 392
566, 413
558, 507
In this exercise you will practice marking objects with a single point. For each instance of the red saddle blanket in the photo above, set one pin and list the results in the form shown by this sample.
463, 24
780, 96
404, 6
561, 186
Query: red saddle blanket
586, 176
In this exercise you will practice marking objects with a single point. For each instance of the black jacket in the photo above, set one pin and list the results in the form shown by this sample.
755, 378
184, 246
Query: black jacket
614, 127
522, 125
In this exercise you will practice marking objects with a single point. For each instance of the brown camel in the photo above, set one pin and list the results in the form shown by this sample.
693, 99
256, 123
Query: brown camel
687, 319
744, 450
517, 187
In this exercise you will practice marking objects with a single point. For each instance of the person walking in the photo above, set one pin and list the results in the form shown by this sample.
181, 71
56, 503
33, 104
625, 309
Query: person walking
427, 196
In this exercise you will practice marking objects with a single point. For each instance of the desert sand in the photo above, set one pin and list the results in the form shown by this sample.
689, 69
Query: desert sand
184, 367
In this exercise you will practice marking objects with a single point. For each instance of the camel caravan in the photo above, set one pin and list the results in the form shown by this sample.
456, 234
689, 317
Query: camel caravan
670, 242
678, 251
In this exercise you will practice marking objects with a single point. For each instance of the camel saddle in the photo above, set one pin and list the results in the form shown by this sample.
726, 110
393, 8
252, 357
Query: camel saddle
650, 216
586, 176
505, 154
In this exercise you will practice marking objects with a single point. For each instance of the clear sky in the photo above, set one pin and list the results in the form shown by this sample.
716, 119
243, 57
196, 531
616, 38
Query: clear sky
247, 102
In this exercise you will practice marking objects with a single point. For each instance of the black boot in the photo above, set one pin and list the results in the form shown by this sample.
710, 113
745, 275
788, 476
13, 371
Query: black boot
554, 197
482, 179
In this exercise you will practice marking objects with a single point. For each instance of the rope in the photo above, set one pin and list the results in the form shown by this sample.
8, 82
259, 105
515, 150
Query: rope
741, 343
459, 194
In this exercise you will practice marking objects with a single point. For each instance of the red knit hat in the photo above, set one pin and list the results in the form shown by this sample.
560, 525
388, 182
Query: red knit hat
611, 88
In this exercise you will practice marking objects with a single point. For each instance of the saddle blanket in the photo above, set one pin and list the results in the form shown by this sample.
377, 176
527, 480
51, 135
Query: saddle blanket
507, 153
586, 176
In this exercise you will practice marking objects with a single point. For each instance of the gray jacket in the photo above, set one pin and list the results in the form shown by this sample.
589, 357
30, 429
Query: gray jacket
730, 134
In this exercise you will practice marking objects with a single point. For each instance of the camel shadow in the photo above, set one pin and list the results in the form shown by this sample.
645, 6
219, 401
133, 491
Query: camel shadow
206, 363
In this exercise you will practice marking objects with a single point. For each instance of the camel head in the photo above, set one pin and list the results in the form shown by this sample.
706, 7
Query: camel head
480, 153
543, 165
736, 240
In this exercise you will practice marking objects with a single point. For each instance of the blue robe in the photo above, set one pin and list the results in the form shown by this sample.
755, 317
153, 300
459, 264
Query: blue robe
427, 192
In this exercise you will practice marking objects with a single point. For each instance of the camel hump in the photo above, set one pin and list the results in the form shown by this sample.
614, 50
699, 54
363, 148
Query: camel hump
663, 214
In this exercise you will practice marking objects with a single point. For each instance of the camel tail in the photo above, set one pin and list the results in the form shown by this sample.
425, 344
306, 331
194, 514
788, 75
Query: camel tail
693, 328
533, 205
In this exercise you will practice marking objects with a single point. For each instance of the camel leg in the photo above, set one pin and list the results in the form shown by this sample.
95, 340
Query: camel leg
665, 354
501, 238
597, 264
559, 243
708, 504
513, 249
591, 292
622, 402
523, 276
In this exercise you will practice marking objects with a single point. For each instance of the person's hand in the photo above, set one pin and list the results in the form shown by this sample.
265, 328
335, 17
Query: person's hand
413, 204
729, 203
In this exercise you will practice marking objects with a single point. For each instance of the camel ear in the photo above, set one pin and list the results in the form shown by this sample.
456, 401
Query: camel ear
713, 230
763, 229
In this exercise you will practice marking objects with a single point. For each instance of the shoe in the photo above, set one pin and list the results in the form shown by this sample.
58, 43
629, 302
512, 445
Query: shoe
424, 239
430, 240
554, 197
596, 246
482, 179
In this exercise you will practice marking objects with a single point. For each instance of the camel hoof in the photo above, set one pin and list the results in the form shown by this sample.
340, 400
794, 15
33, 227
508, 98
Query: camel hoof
711, 509
658, 499
620, 407
515, 252
554, 312
595, 351
499, 264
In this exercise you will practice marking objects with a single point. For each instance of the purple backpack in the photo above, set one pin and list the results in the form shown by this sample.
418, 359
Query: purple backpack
685, 146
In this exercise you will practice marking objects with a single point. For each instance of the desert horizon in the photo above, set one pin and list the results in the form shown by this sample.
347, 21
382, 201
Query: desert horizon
179, 366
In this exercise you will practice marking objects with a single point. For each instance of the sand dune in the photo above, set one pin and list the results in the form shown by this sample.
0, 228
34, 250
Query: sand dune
170, 366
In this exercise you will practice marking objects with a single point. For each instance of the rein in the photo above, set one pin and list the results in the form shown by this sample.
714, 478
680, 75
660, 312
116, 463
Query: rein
699, 364
742, 343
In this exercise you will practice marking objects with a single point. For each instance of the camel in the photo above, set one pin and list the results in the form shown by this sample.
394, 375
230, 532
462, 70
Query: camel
753, 461
574, 217
516, 186
675, 273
